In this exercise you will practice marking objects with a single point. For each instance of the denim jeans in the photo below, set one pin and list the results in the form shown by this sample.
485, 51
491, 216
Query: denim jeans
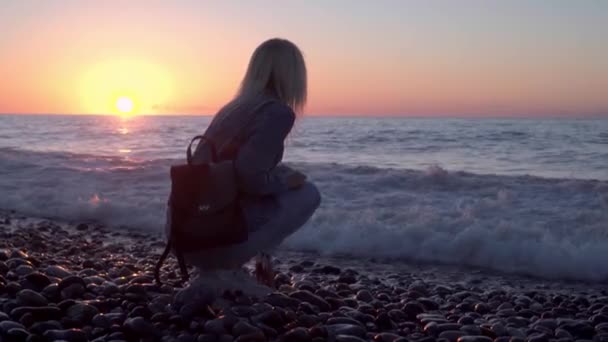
291, 211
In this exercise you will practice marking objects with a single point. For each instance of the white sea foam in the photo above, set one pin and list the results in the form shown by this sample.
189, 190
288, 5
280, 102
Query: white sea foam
555, 228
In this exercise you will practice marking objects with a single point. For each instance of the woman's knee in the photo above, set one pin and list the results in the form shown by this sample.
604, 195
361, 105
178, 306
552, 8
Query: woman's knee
312, 194
310, 200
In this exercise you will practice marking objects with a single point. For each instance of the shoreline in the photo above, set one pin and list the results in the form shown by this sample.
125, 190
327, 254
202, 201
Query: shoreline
86, 282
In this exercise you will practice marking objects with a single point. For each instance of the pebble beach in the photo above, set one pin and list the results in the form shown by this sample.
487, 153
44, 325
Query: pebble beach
63, 281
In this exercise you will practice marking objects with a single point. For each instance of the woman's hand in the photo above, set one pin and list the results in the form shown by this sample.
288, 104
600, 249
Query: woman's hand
295, 179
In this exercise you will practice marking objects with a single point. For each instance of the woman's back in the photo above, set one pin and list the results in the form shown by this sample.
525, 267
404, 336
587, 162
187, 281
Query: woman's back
251, 132
235, 122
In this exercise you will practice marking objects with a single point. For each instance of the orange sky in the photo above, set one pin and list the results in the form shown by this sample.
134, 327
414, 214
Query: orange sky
490, 58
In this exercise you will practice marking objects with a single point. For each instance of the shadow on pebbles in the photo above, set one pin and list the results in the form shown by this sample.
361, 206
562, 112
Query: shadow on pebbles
86, 282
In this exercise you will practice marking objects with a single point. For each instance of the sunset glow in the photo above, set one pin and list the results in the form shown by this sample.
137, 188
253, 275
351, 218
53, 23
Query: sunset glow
418, 57
124, 105
124, 87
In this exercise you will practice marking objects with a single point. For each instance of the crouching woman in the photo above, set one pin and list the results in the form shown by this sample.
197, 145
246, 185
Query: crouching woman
251, 130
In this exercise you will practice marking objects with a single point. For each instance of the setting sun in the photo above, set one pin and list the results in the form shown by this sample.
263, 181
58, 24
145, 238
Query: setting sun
125, 87
124, 105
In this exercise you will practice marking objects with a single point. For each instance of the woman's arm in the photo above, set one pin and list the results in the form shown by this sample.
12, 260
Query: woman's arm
258, 157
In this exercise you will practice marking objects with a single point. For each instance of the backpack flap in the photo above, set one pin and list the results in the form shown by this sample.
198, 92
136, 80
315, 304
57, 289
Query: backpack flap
187, 182
205, 212
220, 190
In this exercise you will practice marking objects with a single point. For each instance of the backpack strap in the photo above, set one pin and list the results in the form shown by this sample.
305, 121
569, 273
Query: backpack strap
180, 260
201, 138
161, 261
182, 266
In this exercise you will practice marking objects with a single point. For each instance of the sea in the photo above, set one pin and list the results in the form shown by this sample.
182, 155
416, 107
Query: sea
526, 196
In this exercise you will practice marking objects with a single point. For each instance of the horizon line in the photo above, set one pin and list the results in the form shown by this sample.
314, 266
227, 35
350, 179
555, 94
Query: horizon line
354, 115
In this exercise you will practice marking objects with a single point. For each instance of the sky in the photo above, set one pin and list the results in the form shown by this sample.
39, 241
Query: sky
419, 58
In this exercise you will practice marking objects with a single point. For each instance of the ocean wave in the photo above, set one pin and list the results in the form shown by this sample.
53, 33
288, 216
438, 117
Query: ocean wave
554, 228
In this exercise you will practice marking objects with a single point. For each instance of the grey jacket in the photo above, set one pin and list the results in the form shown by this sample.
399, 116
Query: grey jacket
252, 134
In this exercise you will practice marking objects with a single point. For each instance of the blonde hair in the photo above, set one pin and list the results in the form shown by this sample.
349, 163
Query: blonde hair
276, 68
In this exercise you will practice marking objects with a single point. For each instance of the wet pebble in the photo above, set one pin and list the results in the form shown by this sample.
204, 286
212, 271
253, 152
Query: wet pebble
471, 329
138, 326
343, 320
82, 226
38, 280
347, 278
481, 308
386, 337
37, 312
281, 300
3, 268
17, 334
473, 338
364, 295
244, 328
298, 335
348, 338
30, 298
56, 271
7, 325
346, 329
251, 337
215, 326
81, 314
23, 270
451, 335
72, 335
14, 263
41, 327
72, 291
498, 329
307, 296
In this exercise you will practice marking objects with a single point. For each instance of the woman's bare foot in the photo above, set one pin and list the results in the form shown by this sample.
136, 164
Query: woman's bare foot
263, 270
